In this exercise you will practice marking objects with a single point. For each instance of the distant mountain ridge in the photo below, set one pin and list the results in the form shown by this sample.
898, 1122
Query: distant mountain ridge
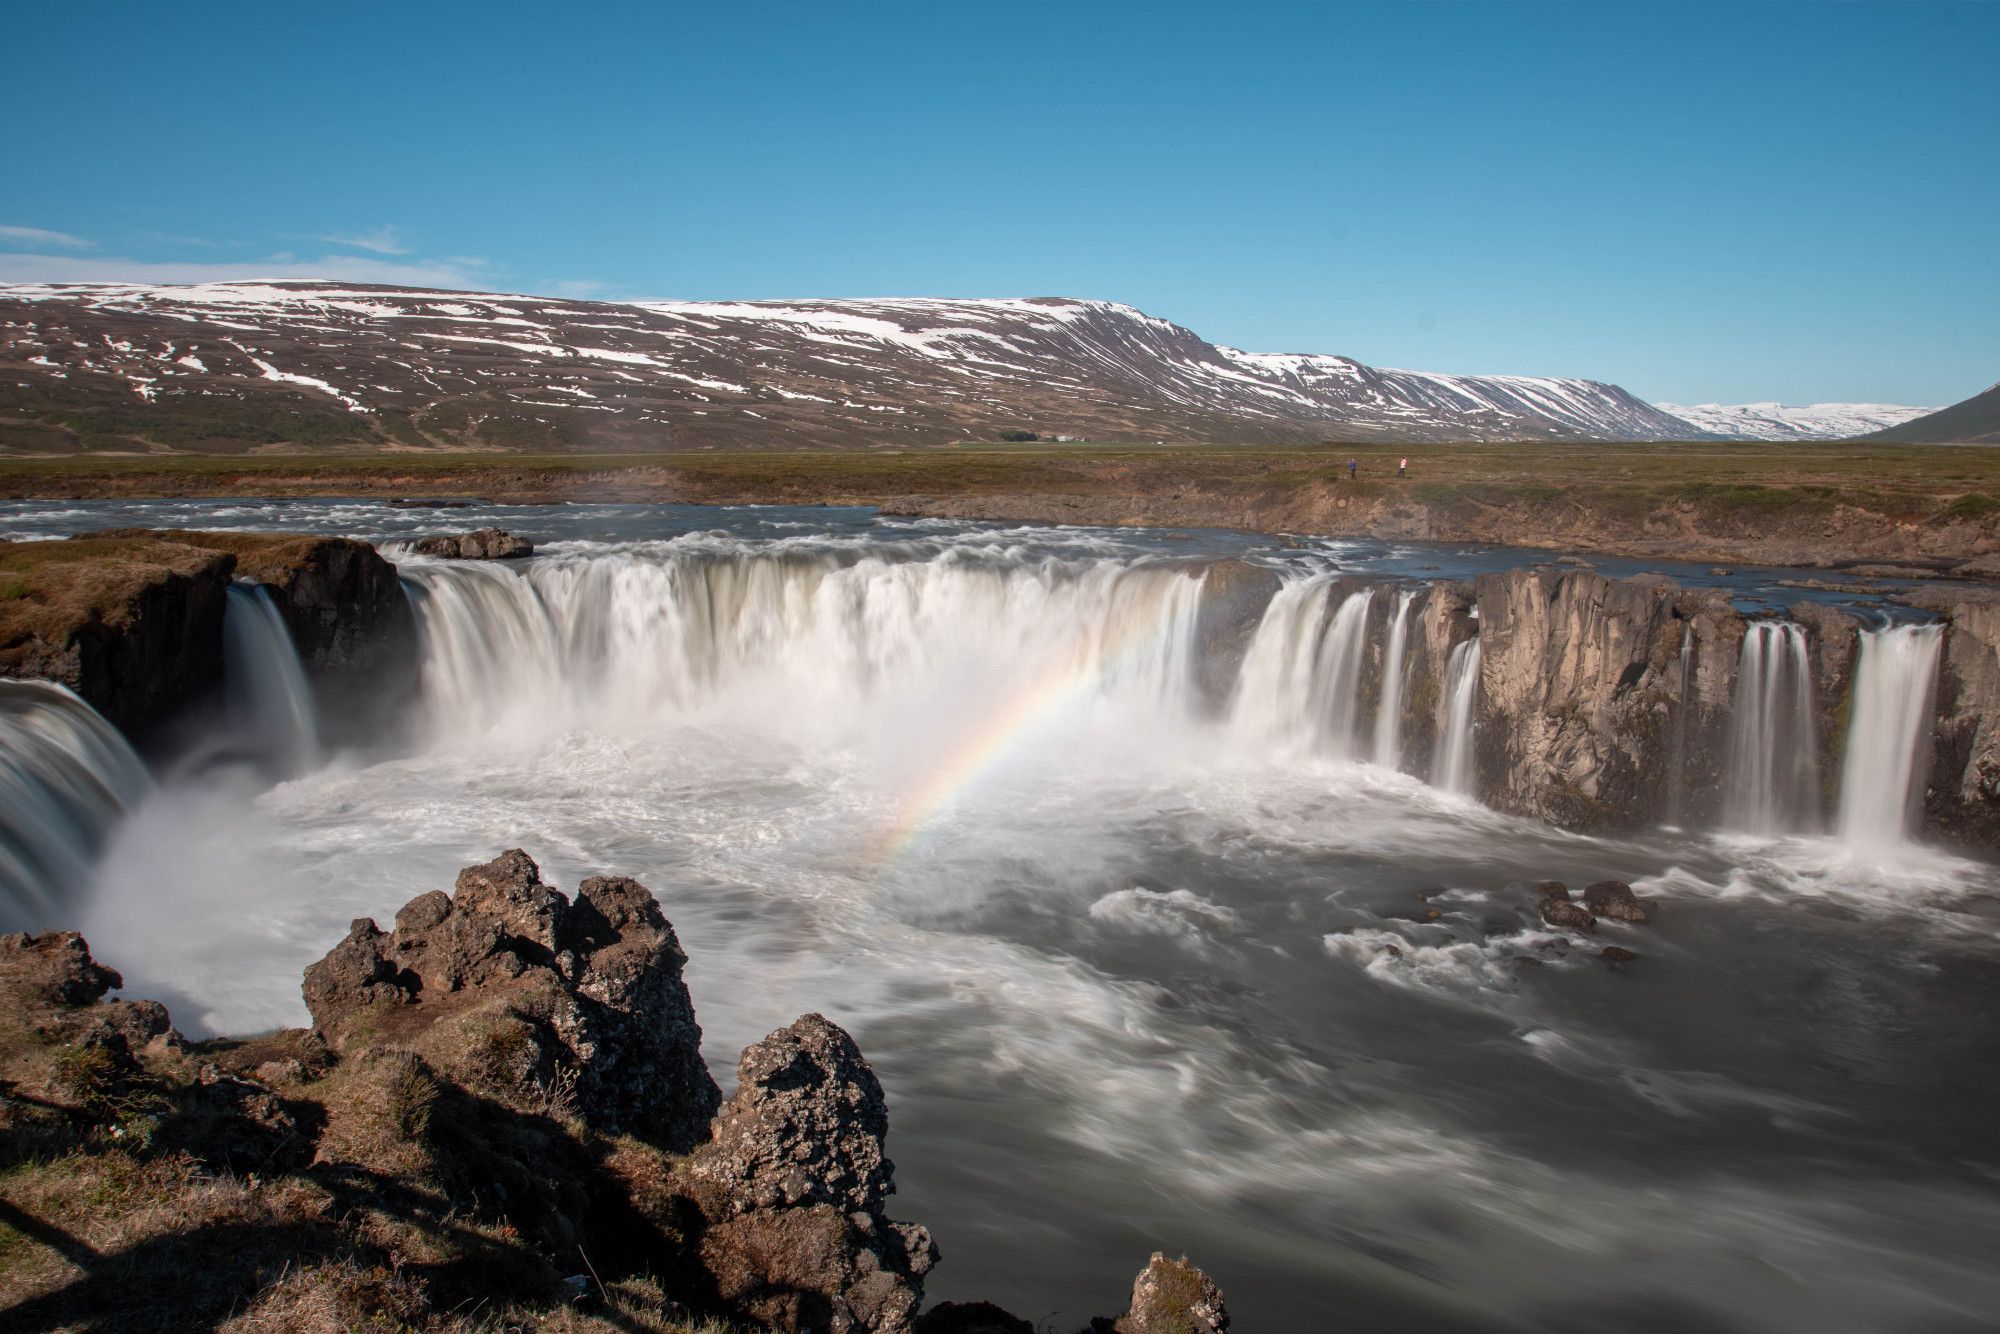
1974, 421
1782, 421
250, 365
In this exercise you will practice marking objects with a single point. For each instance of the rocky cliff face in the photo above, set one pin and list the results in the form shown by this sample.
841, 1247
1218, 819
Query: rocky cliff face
132, 624
131, 619
1577, 693
1962, 798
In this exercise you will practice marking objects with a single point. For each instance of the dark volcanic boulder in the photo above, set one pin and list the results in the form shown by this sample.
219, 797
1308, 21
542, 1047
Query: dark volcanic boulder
480, 544
513, 989
1170, 1297
805, 1126
793, 1184
1613, 899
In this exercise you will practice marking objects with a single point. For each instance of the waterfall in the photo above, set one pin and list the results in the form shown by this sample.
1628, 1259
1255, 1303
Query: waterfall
1773, 755
1451, 767
785, 641
1683, 709
1389, 712
1882, 776
1301, 678
66, 777
269, 700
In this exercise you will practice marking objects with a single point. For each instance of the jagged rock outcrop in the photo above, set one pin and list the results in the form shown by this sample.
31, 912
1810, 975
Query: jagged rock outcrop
1170, 1297
793, 1184
531, 997
480, 544
134, 626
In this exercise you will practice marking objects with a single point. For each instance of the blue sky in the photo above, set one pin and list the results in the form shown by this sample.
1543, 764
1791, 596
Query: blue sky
1715, 202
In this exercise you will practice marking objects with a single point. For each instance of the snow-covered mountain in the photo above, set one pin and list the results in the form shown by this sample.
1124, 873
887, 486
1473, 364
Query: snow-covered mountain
316, 362
1781, 421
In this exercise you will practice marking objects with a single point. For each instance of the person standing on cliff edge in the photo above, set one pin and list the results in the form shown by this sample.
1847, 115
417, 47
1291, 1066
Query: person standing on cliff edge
1403, 468
1351, 466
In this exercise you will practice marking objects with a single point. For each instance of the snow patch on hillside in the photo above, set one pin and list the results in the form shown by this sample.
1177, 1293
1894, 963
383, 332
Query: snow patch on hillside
1782, 421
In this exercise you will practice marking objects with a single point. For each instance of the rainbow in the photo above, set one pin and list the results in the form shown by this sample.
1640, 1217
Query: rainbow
1071, 679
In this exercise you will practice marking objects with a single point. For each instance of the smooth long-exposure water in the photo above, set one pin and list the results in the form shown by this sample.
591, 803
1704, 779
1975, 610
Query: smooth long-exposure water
1140, 968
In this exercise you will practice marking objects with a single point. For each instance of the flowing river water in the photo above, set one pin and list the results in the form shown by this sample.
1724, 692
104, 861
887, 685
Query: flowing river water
1141, 965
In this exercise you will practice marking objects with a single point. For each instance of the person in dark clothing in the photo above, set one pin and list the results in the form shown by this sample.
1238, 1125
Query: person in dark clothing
1351, 466
1403, 469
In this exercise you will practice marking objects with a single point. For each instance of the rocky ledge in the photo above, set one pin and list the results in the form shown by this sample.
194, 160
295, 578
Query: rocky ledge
500, 1118
131, 618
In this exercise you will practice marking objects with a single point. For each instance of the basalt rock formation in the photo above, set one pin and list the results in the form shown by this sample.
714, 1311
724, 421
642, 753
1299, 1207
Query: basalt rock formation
133, 625
530, 996
1962, 798
131, 618
793, 1185
343, 605
1170, 1297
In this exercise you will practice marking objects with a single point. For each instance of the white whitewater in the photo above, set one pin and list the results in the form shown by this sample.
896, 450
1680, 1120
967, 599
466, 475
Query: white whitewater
938, 644
66, 778
1684, 705
1451, 768
1882, 776
269, 699
1300, 683
1389, 712
1773, 755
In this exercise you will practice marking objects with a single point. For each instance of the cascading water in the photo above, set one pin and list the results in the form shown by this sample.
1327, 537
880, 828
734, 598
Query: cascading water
1683, 707
1389, 712
1301, 676
1773, 755
1882, 775
1451, 768
66, 777
270, 702
812, 641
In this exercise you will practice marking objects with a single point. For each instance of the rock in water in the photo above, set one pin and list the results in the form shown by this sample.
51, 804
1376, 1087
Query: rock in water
1551, 889
480, 544
1170, 1297
793, 1184
1613, 899
513, 989
1568, 916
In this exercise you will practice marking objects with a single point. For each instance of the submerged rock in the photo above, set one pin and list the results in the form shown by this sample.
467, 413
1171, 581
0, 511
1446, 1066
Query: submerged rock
1567, 916
480, 544
1613, 899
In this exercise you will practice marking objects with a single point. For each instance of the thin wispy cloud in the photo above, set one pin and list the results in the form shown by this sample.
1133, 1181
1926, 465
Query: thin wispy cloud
43, 236
384, 240
46, 268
